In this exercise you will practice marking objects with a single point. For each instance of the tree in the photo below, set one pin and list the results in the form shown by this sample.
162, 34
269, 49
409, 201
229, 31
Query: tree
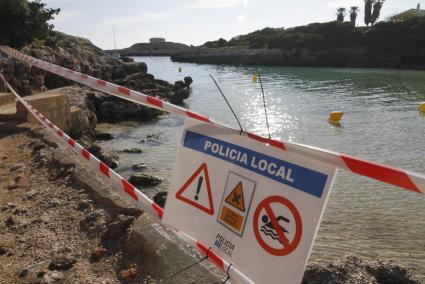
353, 14
377, 6
340, 15
22, 21
221, 42
368, 11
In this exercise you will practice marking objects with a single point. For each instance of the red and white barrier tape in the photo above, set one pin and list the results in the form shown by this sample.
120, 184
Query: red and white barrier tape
398, 177
122, 184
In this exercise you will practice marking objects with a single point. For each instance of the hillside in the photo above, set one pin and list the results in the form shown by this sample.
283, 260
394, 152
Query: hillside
386, 44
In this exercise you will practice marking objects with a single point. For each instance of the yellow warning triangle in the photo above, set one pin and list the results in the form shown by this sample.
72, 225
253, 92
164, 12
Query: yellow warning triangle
235, 198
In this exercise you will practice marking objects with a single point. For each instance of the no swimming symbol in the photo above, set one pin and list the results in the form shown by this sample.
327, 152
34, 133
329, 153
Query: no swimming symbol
270, 225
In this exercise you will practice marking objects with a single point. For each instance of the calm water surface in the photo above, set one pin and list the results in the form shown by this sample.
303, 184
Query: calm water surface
381, 123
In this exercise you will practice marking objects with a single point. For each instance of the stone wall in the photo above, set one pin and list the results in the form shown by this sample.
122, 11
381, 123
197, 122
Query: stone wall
53, 106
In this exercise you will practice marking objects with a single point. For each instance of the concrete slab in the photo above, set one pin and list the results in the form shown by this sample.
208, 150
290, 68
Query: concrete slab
54, 106
6, 98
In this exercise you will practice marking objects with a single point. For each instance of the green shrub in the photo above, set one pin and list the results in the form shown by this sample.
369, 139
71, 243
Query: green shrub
397, 36
317, 36
22, 21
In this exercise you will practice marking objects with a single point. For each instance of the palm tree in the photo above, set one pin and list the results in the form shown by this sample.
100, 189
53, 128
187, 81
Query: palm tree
353, 14
368, 11
376, 11
340, 15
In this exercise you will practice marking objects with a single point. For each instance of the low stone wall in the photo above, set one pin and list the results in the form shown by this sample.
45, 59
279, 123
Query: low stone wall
54, 106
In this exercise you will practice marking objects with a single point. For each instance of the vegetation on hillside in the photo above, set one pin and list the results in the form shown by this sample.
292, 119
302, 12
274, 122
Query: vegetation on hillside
354, 11
22, 21
340, 15
372, 11
383, 36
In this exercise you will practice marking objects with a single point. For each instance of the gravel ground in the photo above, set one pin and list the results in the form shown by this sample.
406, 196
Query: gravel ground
52, 231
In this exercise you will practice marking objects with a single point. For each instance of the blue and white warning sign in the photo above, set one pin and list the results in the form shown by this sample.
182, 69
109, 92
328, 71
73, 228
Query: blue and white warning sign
256, 206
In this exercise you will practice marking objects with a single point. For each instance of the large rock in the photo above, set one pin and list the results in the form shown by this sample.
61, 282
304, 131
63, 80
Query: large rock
141, 179
181, 92
113, 109
160, 198
188, 81
110, 159
353, 269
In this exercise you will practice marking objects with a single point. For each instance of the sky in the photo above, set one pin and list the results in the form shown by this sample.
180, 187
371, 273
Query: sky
195, 21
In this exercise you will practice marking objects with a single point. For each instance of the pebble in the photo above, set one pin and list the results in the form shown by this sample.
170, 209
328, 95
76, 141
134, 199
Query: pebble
3, 251
29, 195
93, 216
23, 273
130, 272
10, 222
52, 203
19, 211
52, 277
104, 136
97, 254
16, 167
9, 205
38, 147
12, 186
132, 151
83, 204
61, 263
90, 220
139, 166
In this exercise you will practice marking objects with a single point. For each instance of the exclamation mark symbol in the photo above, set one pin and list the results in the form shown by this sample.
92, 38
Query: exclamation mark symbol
199, 187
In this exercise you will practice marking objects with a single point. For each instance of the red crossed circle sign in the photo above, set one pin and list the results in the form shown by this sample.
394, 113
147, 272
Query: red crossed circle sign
287, 245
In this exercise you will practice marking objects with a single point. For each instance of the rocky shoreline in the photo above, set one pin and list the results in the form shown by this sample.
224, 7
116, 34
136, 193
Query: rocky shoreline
81, 55
302, 57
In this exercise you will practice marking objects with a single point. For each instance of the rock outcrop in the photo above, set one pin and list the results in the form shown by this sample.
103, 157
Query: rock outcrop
141, 179
81, 55
353, 269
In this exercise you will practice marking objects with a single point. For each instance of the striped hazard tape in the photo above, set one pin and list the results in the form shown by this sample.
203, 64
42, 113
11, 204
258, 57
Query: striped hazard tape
122, 184
398, 177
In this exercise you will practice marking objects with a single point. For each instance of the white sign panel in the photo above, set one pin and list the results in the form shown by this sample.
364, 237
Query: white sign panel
256, 206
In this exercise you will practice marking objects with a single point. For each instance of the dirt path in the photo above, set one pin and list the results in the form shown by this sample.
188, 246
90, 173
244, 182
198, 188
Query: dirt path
51, 231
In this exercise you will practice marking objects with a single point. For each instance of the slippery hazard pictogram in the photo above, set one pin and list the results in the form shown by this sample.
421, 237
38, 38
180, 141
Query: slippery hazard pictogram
237, 198
277, 225
196, 191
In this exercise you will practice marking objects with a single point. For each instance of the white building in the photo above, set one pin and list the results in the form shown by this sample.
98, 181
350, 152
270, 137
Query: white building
157, 40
